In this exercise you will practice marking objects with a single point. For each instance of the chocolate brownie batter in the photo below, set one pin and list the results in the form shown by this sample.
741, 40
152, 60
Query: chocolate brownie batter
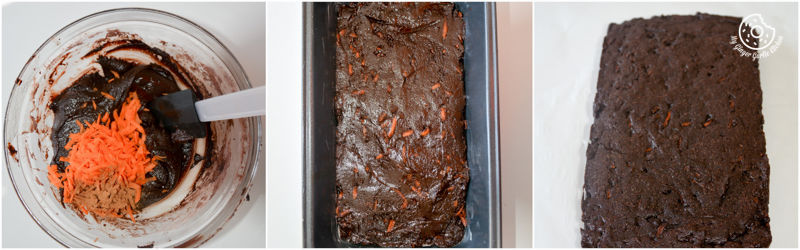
85, 100
677, 151
400, 154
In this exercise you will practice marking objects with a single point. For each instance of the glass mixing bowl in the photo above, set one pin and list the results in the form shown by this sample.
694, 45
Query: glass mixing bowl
223, 181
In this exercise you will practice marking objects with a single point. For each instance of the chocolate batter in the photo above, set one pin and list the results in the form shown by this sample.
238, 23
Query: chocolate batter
119, 78
400, 154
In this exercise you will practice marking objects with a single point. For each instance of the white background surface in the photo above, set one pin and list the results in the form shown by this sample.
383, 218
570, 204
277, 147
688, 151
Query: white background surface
568, 45
240, 27
284, 127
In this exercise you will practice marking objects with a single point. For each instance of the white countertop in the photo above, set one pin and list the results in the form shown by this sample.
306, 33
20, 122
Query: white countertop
284, 106
240, 26
569, 38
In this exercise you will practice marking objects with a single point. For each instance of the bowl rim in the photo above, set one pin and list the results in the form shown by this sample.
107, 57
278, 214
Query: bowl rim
254, 122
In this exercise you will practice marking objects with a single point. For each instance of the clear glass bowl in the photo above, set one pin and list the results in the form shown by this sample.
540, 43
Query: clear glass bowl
219, 189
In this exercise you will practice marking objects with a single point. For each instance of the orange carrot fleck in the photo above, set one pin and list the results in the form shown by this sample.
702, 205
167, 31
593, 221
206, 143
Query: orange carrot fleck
130, 212
408, 133
425, 132
392, 128
416, 190
94, 105
391, 226
442, 113
436, 86
444, 30
355, 192
686, 124
669, 114
350, 69
358, 92
405, 202
106, 95
379, 157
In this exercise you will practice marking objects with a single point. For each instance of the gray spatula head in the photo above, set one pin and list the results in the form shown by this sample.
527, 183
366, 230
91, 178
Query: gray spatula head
177, 114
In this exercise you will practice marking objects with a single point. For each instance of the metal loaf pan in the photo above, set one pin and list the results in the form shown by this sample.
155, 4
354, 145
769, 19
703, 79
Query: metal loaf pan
319, 125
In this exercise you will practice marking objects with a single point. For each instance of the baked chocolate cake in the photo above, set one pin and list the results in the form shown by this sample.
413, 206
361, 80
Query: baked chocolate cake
401, 170
677, 151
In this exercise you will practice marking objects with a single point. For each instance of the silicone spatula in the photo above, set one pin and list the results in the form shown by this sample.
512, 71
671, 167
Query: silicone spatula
180, 112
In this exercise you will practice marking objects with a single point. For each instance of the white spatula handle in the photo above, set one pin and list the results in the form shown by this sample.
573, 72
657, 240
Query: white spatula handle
245, 103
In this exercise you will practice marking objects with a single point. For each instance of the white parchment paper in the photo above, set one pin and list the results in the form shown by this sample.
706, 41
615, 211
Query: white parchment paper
568, 39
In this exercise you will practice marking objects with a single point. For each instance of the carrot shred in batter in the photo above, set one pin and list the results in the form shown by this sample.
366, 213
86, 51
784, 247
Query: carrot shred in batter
108, 157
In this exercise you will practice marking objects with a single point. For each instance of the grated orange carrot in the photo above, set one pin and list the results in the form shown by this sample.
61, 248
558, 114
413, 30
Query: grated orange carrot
107, 154
107, 95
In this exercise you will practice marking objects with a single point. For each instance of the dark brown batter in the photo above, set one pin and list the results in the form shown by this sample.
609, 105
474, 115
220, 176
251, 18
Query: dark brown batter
677, 155
400, 154
119, 78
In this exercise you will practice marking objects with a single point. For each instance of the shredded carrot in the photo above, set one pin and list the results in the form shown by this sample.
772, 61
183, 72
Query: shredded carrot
391, 129
405, 202
391, 226
106, 154
444, 30
425, 132
107, 95
416, 190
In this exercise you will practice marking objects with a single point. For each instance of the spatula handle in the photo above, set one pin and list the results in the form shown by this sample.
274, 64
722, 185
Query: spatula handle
245, 103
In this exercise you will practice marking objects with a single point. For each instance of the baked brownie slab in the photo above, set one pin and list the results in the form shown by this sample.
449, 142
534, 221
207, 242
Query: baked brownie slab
401, 170
677, 153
